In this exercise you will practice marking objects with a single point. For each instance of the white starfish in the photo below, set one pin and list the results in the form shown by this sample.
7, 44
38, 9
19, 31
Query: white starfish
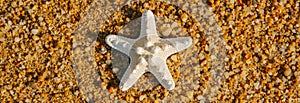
148, 53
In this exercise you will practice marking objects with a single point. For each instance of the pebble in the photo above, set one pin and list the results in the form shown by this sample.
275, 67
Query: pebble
60, 86
2, 39
287, 72
142, 97
35, 38
17, 39
103, 50
166, 31
34, 31
174, 58
190, 95
40, 18
115, 70
184, 17
9, 23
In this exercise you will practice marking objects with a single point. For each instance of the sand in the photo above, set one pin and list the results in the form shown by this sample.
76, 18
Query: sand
248, 52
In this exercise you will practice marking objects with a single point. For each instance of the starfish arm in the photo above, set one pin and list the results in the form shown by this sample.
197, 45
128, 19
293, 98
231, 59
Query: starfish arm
159, 69
148, 26
180, 43
120, 43
131, 75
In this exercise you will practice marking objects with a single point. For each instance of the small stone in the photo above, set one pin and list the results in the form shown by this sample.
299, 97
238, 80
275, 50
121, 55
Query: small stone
166, 31
69, 25
40, 18
9, 23
71, 83
14, 4
35, 38
2, 39
34, 31
200, 97
108, 62
142, 97
60, 86
76, 93
174, 58
17, 39
115, 70
103, 50
184, 17
287, 72
190, 95
27, 100
256, 85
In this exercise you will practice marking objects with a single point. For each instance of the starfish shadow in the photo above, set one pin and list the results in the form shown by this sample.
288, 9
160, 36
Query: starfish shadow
119, 61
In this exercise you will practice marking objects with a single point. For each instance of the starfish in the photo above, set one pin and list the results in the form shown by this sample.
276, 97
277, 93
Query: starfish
148, 53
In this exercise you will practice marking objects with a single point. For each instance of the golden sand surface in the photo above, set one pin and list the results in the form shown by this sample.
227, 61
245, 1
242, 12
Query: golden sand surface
262, 44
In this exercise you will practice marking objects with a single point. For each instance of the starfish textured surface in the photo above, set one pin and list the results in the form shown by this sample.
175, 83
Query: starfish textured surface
148, 53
